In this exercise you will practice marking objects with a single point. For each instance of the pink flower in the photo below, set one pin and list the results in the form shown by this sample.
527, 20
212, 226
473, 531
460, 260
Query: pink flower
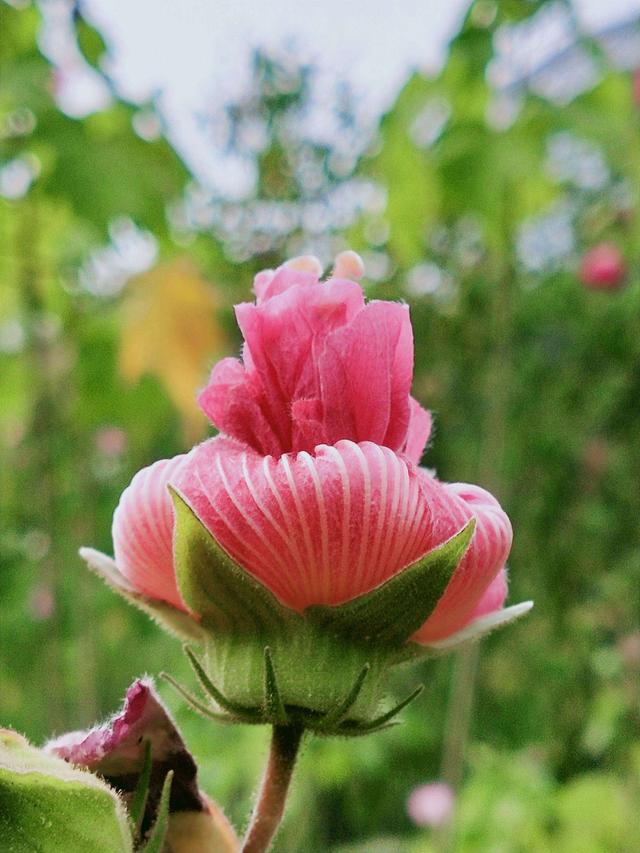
318, 366
313, 486
431, 804
603, 267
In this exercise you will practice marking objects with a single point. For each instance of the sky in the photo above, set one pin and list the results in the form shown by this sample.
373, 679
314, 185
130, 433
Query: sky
194, 54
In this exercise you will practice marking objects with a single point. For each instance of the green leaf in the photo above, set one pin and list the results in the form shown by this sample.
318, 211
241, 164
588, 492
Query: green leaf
228, 599
393, 611
47, 805
412, 184
91, 44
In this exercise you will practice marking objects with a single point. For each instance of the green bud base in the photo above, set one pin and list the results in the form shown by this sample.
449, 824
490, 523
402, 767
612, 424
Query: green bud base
341, 717
325, 668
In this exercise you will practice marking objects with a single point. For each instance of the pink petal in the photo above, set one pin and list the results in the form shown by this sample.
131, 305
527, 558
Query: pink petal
493, 597
365, 376
120, 735
268, 284
232, 401
418, 432
314, 529
318, 366
283, 334
143, 532
452, 505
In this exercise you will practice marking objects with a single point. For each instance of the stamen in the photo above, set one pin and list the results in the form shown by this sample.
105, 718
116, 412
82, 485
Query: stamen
348, 264
306, 263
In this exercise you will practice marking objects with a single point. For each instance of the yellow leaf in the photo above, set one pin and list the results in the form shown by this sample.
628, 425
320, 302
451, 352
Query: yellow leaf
170, 330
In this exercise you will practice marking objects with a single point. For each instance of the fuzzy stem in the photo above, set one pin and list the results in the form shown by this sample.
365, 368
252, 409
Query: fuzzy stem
269, 807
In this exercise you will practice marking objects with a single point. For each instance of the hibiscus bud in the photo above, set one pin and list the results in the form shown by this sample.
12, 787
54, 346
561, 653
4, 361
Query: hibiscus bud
303, 548
602, 267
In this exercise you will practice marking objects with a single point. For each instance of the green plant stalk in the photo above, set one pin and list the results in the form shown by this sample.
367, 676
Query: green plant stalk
270, 805
491, 476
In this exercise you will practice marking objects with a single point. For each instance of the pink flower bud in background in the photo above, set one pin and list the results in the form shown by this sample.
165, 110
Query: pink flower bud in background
313, 487
431, 805
110, 440
602, 267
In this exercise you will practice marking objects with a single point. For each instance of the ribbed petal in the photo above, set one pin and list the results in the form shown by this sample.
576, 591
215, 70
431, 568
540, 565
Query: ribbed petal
143, 531
452, 505
315, 529
493, 598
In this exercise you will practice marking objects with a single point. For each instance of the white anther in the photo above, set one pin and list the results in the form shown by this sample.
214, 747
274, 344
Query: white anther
306, 263
348, 264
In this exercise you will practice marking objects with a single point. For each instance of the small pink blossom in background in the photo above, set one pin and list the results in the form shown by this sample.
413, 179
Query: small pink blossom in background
635, 87
110, 440
431, 804
602, 267
596, 456
314, 484
629, 650
42, 602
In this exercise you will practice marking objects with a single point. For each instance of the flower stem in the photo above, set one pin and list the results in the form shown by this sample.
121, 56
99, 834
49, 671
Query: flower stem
269, 808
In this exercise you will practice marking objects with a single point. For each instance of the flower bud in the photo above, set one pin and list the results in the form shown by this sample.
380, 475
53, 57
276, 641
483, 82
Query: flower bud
304, 549
141, 745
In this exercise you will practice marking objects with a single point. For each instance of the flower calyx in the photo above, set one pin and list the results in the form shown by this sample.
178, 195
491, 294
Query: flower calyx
323, 668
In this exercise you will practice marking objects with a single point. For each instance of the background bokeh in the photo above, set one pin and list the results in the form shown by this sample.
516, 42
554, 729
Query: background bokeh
477, 198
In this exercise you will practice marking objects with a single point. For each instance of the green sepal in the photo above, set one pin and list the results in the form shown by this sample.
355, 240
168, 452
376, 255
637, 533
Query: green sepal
383, 720
141, 793
233, 708
227, 598
338, 714
230, 600
158, 832
175, 621
392, 612
48, 805
273, 705
334, 721
325, 669
195, 704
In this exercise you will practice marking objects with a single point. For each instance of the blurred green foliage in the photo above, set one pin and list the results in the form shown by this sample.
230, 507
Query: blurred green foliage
488, 201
